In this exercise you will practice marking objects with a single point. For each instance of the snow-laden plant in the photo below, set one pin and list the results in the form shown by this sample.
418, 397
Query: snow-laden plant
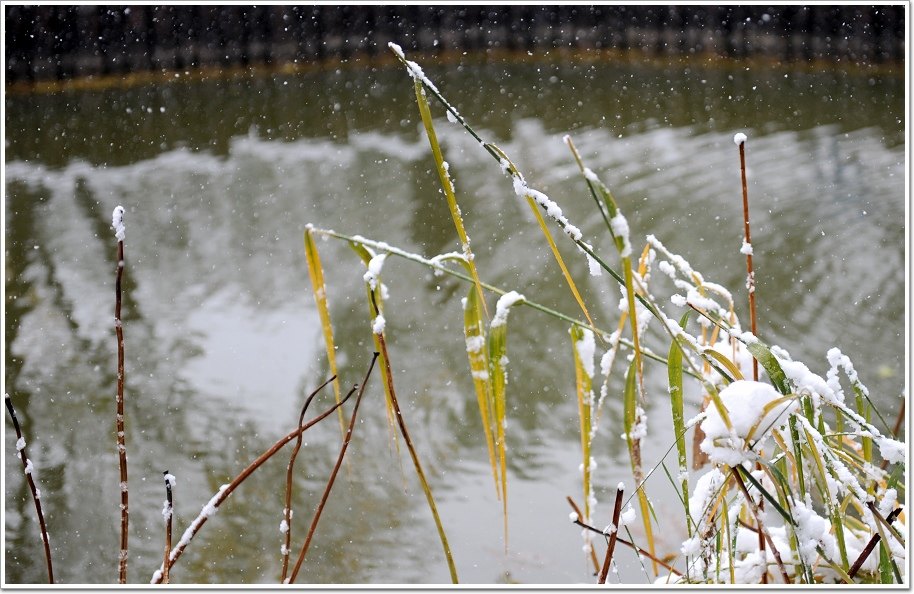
796, 484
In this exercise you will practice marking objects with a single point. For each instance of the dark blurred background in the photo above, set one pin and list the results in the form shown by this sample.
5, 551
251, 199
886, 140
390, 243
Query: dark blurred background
58, 42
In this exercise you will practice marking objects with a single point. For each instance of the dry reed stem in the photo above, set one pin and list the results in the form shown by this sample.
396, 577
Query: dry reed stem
868, 549
627, 543
224, 493
36, 494
119, 418
169, 513
287, 510
339, 462
611, 544
750, 274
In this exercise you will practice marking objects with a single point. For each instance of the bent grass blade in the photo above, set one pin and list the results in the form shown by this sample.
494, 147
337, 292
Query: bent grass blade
319, 289
447, 186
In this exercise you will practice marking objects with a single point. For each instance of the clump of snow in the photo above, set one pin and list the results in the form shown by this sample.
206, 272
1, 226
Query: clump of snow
891, 449
451, 117
812, 531
552, 209
374, 270
619, 226
117, 222
28, 466
377, 326
627, 517
585, 348
283, 526
170, 479
20, 444
746, 249
745, 402
573, 516
475, 344
739, 138
501, 308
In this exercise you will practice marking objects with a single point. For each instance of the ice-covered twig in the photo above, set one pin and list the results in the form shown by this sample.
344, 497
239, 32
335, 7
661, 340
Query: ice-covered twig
286, 524
36, 493
117, 222
339, 462
212, 506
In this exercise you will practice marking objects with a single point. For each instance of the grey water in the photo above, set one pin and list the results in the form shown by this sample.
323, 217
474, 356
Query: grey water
219, 177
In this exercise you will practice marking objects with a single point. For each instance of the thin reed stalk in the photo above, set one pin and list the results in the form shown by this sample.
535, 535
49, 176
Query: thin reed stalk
339, 462
868, 549
117, 221
613, 536
28, 468
577, 520
167, 513
287, 510
212, 506
740, 140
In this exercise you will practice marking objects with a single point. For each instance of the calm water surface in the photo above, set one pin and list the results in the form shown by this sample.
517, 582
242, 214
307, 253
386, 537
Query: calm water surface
219, 179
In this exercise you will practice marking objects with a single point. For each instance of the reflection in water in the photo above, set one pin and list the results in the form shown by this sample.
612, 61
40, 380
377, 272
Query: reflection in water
223, 344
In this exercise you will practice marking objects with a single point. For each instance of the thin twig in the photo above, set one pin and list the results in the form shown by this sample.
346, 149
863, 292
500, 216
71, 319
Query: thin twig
36, 493
167, 513
758, 520
227, 490
339, 462
117, 221
627, 543
613, 536
287, 511
871, 545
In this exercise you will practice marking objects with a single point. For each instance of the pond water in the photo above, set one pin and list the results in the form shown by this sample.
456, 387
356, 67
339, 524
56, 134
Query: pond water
219, 177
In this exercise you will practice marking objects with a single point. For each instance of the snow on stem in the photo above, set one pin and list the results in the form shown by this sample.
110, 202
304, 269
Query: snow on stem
117, 222
30, 479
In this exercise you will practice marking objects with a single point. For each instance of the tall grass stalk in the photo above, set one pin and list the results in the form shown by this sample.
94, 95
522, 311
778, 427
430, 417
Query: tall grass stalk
117, 222
28, 469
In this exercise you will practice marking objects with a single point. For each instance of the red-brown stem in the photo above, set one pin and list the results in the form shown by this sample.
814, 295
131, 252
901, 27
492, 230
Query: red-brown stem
287, 511
763, 533
593, 553
613, 536
224, 493
336, 469
36, 495
750, 274
872, 542
750, 285
119, 418
169, 507
627, 543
